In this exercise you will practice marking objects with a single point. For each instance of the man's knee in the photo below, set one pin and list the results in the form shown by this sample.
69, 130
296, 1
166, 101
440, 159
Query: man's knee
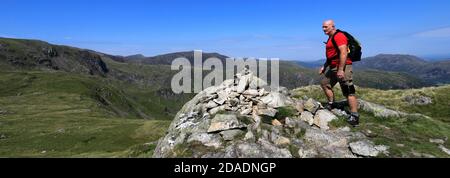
348, 89
325, 84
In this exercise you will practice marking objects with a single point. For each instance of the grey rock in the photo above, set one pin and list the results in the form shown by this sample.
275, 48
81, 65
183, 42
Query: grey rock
311, 105
307, 153
283, 90
267, 112
234, 102
251, 93
261, 149
217, 109
383, 112
246, 111
209, 140
249, 136
228, 83
256, 83
234, 95
211, 104
211, 90
321, 138
243, 83
220, 101
445, 150
417, 100
229, 135
320, 143
322, 118
61, 130
378, 110
345, 129
290, 123
282, 141
422, 155
364, 148
263, 92
437, 141
223, 122
339, 112
276, 100
307, 117
383, 149
299, 106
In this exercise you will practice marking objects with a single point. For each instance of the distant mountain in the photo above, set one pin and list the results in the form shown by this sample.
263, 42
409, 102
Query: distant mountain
166, 59
155, 72
392, 62
34, 54
311, 64
135, 57
431, 72
434, 72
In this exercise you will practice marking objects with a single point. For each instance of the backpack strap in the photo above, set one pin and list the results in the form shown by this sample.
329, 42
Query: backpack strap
334, 42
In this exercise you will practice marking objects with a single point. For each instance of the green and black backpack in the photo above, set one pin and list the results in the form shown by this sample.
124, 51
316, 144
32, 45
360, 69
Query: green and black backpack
354, 47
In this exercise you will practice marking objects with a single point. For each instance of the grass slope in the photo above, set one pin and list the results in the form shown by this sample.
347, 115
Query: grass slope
407, 136
65, 115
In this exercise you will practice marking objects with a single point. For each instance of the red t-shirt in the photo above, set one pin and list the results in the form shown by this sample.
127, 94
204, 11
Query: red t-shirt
331, 52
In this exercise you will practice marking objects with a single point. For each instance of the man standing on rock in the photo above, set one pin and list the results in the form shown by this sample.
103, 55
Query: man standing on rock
340, 71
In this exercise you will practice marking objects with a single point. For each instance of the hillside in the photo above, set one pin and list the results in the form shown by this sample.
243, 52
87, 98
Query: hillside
154, 72
65, 115
34, 54
411, 68
60, 101
406, 136
431, 72
166, 59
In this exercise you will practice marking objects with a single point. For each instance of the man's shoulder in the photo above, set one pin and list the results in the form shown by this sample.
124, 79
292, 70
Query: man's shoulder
340, 34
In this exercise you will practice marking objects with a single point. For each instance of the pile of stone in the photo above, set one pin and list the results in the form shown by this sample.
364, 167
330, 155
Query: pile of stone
244, 117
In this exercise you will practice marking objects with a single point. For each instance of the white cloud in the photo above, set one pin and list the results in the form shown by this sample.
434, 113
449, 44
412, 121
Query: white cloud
435, 33
7, 36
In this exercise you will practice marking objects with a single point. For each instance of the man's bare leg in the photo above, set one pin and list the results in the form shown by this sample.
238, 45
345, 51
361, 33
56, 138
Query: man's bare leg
353, 103
329, 93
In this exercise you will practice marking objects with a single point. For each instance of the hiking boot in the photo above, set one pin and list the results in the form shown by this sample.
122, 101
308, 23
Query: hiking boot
353, 119
330, 106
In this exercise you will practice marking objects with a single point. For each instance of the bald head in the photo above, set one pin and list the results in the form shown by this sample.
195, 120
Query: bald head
329, 27
328, 22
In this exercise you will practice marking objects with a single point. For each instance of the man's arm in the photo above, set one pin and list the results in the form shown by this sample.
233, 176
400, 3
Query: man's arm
343, 57
324, 67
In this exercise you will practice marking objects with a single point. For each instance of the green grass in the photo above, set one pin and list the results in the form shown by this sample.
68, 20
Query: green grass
62, 115
404, 135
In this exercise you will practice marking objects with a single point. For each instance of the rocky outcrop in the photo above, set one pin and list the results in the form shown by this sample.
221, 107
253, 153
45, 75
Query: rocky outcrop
245, 118
367, 149
383, 112
417, 100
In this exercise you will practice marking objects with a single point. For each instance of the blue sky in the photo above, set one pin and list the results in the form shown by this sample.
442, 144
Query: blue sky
251, 28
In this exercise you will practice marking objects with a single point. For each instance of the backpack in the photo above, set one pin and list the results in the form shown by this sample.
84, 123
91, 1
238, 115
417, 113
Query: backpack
354, 47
